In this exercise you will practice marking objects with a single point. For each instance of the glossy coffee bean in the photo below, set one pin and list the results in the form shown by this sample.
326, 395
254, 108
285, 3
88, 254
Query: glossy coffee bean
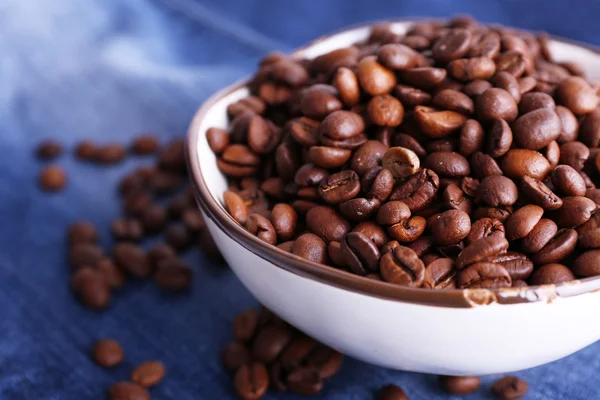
418, 190
483, 249
359, 209
403, 267
499, 138
251, 381
367, 156
453, 100
551, 274
148, 373
485, 227
506, 81
450, 227
518, 265
522, 221
483, 165
518, 163
569, 123
534, 101
574, 212
496, 103
510, 388
577, 95
468, 69
537, 192
410, 96
270, 342
360, 253
325, 360
236, 206
378, 183
497, 191
483, 275
391, 392
91, 288
108, 353
448, 164
587, 264
437, 124
374, 78
574, 154
476, 87
373, 231
424, 77
339, 187
341, 125
401, 162
590, 239
127, 390
454, 44
537, 128
539, 236
408, 230
328, 157
327, 223
346, 82
310, 247
385, 110
460, 384
558, 248
567, 181
284, 219
589, 131
316, 102
440, 274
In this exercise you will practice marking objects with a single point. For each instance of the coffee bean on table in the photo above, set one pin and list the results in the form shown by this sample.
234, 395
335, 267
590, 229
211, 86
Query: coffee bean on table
154, 219
110, 154
460, 384
52, 179
173, 274
127, 229
244, 325
85, 254
251, 381
178, 236
144, 144
148, 373
305, 381
127, 391
510, 388
48, 149
112, 275
234, 356
89, 285
82, 232
108, 353
270, 342
132, 259
86, 151
159, 252
391, 392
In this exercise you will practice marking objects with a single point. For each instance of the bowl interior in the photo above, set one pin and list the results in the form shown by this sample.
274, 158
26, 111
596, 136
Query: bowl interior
211, 183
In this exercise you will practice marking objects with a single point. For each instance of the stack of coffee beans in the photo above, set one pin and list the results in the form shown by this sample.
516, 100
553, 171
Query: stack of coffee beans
454, 155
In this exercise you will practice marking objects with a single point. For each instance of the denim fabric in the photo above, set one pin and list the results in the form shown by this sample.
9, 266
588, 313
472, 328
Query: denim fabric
108, 69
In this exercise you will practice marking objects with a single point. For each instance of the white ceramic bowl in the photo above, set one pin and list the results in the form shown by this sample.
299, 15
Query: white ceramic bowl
458, 332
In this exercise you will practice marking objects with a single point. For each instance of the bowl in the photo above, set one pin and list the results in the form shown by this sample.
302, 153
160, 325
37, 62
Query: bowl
456, 332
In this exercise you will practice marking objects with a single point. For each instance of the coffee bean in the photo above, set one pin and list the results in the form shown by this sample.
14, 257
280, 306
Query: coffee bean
305, 381
262, 228
112, 275
496, 103
244, 325
132, 260
448, 164
251, 381
85, 254
127, 391
569, 123
467, 69
534, 101
589, 131
518, 163
522, 221
82, 232
567, 181
108, 353
160, 252
148, 373
518, 266
471, 137
574, 154
145, 144
341, 125
328, 157
217, 139
410, 96
454, 44
127, 229
401, 161
402, 267
374, 78
483, 165
497, 191
397, 56
326, 223
135, 203
476, 87
270, 342
506, 81
310, 247
418, 191
450, 227
453, 100
48, 149
385, 110
574, 212
551, 274
325, 360
540, 194
284, 219
512, 62
173, 274
89, 285
485, 227
339, 187
539, 236
296, 352
234, 356
455, 198
510, 388
460, 384
424, 77
484, 275
587, 264
52, 179
110, 154
378, 183
577, 95
359, 253
391, 392
346, 82
482, 249
440, 274
369, 155
86, 151
316, 102
437, 123
499, 139
527, 84
558, 248
537, 128
590, 239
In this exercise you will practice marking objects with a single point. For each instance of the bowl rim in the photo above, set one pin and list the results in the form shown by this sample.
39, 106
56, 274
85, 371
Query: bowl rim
455, 298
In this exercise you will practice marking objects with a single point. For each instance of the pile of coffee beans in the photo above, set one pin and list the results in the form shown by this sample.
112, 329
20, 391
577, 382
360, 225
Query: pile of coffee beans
269, 353
455, 155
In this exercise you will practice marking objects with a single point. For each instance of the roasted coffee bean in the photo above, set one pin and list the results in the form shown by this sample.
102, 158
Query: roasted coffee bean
401, 162
385, 110
159, 252
409, 142
468, 69
527, 84
334, 251
471, 137
453, 100
410, 96
359, 253
496, 103
391, 392
346, 82
448, 164
112, 275
437, 124
127, 391
397, 56
367, 156
305, 381
552, 153
90, 286
296, 352
510, 388
574, 154
52, 179
325, 360
537, 128
341, 125
270, 342
506, 81
499, 138
512, 62
378, 183
485, 227
589, 131
132, 259
234, 356
418, 191
317, 102
409, 230
402, 266
587, 264
339, 187
522, 221
590, 239
518, 163
450, 227
244, 325
82, 232
148, 373
574, 212
534, 101
359, 209
217, 139
558, 248
454, 198
86, 151
110, 154
567, 181
48, 149
537, 192
569, 123
483, 165
440, 274
284, 219
108, 353
577, 95
262, 228
476, 87
251, 381
483, 249
310, 247
518, 266
178, 236
374, 78
460, 384
539, 236
328, 157
146, 144
497, 191
325, 222
235, 206
85, 254
127, 229
484, 275
424, 77
551, 274
173, 274
392, 213
454, 44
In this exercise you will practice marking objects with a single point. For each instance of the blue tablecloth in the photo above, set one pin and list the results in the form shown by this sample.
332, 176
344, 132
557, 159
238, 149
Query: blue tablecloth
108, 69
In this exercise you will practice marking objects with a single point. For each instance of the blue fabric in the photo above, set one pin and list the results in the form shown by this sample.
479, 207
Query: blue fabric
108, 69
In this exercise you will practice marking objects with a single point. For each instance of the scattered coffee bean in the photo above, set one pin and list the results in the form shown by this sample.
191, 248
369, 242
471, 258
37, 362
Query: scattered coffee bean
144, 144
48, 149
89, 285
391, 392
460, 384
127, 391
82, 232
173, 274
251, 381
108, 353
148, 373
510, 388
132, 260
52, 179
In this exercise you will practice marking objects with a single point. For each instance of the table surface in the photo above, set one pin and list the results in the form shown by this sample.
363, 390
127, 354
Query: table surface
110, 69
